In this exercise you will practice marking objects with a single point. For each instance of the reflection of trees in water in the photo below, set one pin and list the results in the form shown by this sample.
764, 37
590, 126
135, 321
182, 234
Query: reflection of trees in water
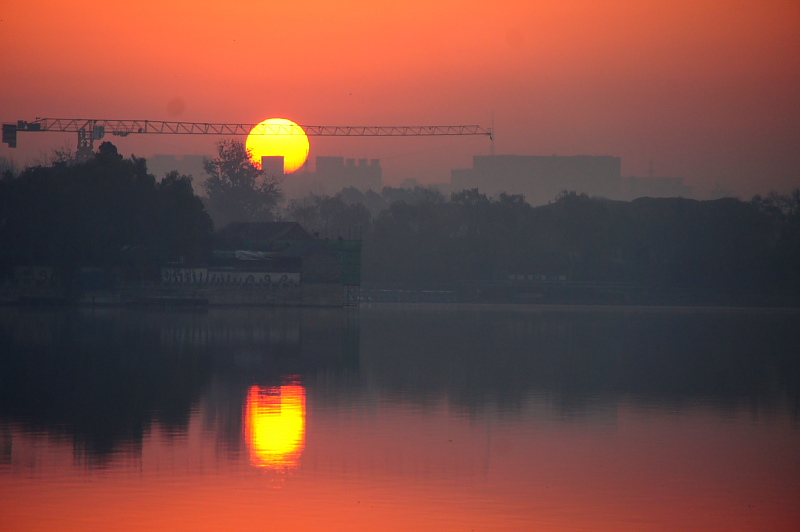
574, 357
97, 378
104, 377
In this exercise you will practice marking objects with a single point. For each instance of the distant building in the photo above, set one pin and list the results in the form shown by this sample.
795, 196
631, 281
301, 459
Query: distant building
333, 174
365, 175
273, 165
541, 178
411, 183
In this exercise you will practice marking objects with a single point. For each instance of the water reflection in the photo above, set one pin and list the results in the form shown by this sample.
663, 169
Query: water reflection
275, 425
578, 358
103, 379
400, 418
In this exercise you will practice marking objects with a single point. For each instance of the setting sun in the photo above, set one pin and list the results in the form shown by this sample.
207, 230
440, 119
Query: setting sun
279, 137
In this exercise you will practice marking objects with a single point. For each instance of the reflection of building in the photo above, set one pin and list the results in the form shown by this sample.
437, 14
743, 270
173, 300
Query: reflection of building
541, 178
333, 174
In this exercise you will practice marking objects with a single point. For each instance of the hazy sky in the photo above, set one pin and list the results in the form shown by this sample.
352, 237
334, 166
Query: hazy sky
706, 90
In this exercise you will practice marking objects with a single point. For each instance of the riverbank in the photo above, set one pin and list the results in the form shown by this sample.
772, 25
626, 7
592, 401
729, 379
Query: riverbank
568, 293
337, 295
301, 295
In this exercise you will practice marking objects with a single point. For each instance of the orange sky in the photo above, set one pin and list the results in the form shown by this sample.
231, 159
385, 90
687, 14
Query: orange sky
707, 90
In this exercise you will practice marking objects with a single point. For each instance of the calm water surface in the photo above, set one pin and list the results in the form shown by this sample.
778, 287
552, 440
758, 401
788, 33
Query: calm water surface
400, 418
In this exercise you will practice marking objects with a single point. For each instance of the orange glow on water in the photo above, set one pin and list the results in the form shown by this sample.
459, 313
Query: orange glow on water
275, 425
651, 471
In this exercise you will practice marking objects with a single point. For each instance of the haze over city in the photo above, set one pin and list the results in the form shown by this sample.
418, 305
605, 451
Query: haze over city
704, 91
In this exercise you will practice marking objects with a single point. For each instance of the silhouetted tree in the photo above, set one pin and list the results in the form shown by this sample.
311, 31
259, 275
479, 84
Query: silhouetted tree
8, 168
675, 249
330, 217
412, 196
107, 211
412, 242
184, 228
108, 150
784, 212
237, 189
370, 199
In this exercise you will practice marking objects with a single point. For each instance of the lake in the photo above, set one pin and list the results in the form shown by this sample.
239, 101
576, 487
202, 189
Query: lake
399, 418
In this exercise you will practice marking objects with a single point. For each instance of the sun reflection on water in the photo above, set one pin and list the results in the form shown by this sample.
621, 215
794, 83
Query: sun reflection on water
275, 425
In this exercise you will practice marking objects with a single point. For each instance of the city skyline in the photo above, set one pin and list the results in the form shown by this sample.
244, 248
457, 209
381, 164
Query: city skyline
538, 178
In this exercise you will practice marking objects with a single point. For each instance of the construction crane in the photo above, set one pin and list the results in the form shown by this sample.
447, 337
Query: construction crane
89, 130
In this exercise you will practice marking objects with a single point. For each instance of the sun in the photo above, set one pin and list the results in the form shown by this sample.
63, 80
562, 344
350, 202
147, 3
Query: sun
279, 136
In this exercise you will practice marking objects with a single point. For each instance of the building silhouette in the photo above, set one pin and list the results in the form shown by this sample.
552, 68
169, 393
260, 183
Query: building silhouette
273, 165
333, 174
541, 178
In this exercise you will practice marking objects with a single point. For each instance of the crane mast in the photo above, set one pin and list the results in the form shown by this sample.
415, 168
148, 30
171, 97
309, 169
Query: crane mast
89, 130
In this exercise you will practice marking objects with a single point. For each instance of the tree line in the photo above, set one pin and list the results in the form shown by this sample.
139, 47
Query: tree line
725, 246
725, 250
110, 211
106, 212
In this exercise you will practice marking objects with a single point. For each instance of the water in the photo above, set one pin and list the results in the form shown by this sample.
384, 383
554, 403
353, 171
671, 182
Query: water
400, 418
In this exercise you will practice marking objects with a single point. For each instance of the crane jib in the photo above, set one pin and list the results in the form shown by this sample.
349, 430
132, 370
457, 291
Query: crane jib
95, 129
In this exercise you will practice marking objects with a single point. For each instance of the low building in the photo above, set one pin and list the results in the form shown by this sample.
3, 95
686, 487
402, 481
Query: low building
273, 263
